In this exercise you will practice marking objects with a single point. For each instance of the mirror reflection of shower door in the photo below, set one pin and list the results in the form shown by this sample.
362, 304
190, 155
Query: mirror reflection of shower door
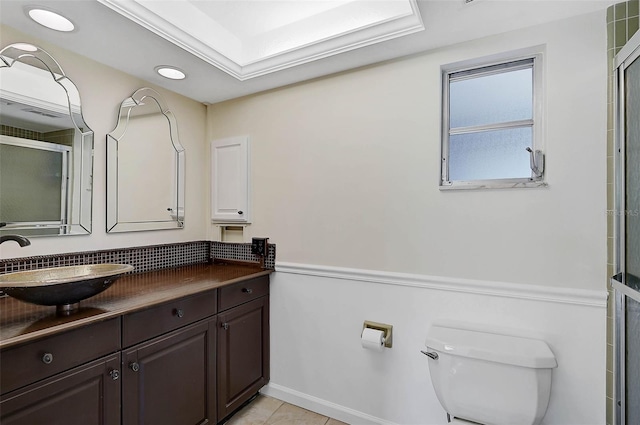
627, 281
34, 181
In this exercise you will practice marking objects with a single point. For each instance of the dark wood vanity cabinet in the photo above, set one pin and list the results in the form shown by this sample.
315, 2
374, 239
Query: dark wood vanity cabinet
66, 379
168, 362
86, 395
171, 379
243, 354
192, 360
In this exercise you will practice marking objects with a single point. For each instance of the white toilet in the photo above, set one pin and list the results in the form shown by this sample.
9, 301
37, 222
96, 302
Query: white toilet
487, 378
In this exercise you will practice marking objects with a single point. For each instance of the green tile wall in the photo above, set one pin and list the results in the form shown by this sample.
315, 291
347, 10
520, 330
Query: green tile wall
6, 130
622, 24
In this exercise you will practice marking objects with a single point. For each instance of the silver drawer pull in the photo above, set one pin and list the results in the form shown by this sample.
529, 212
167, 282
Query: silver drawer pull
247, 290
179, 312
431, 355
47, 358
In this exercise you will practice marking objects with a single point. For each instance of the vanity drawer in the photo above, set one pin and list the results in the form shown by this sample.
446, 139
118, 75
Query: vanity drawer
25, 364
241, 292
146, 324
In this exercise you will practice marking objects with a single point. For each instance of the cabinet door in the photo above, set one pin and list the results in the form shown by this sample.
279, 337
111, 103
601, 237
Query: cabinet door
85, 395
230, 180
243, 354
171, 379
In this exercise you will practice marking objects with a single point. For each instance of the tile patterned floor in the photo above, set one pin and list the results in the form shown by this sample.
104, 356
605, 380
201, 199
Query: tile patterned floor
270, 411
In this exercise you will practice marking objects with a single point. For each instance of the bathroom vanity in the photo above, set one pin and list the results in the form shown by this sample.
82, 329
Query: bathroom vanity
179, 346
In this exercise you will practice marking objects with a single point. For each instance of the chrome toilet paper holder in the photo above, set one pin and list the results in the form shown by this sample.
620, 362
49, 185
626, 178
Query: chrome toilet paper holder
386, 329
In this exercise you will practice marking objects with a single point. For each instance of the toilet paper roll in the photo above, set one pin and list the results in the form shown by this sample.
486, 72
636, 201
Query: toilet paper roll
372, 339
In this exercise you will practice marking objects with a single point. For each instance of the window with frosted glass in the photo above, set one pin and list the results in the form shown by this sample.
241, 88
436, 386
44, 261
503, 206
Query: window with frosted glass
488, 124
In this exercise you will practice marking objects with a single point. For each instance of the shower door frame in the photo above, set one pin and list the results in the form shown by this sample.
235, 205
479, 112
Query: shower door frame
627, 55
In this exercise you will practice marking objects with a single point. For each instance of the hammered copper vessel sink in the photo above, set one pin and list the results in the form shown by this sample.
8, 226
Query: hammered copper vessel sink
63, 287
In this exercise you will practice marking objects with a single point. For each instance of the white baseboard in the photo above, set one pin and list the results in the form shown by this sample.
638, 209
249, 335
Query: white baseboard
323, 407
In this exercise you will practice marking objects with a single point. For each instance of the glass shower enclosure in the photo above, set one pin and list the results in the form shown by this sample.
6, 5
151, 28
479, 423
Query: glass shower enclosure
626, 282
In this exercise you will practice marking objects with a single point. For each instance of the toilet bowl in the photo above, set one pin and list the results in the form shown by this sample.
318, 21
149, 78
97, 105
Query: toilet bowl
487, 378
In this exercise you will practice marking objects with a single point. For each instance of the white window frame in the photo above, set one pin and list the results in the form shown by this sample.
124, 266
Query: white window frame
483, 67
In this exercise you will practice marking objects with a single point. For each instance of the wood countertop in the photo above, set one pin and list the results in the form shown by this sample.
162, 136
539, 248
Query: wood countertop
22, 322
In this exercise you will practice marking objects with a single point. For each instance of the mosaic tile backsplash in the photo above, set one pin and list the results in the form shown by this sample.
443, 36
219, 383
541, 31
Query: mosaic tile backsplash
146, 258
242, 252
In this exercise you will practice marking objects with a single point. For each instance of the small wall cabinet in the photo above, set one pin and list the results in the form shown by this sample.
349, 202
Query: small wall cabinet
193, 360
230, 181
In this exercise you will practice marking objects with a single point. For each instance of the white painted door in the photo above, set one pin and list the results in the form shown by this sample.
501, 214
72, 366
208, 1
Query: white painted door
230, 180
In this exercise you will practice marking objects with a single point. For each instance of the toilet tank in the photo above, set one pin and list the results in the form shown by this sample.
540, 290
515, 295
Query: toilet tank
490, 378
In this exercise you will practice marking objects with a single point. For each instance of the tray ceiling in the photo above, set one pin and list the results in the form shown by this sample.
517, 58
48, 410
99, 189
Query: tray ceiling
232, 48
247, 39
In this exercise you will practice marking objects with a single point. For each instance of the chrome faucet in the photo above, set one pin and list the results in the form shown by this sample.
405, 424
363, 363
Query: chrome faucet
22, 241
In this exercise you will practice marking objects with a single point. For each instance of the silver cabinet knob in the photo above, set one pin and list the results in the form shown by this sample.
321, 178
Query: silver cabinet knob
47, 358
134, 366
115, 374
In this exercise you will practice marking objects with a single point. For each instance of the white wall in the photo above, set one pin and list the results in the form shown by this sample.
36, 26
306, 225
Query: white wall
102, 89
345, 169
345, 174
317, 361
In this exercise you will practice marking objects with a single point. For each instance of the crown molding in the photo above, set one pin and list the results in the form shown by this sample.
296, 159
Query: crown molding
161, 22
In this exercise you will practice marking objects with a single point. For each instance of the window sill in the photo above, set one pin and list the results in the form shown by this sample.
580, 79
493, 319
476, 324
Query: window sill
489, 184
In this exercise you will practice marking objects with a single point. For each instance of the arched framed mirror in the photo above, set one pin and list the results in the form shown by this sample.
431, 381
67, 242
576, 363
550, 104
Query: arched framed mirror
145, 167
46, 148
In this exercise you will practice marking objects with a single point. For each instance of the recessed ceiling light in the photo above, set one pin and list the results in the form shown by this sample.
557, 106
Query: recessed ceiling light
171, 72
25, 47
51, 20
